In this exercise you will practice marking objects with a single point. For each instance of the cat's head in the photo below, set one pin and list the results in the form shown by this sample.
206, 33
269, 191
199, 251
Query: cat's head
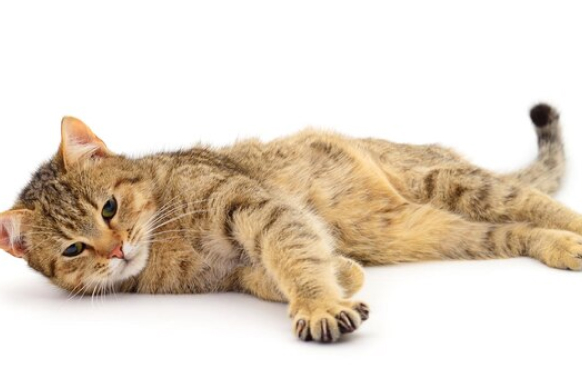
84, 219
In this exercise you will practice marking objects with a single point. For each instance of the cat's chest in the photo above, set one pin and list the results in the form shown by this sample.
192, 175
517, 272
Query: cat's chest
192, 263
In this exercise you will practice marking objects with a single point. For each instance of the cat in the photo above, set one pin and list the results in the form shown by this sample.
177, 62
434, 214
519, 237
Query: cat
292, 220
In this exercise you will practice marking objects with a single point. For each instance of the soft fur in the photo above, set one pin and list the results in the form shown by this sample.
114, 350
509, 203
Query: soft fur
290, 220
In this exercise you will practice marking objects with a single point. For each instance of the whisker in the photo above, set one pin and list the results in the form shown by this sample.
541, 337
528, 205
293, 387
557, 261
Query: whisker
180, 217
162, 214
186, 230
76, 293
92, 295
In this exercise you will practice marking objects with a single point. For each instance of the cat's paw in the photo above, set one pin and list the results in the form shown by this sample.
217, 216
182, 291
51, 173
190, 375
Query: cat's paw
564, 251
326, 323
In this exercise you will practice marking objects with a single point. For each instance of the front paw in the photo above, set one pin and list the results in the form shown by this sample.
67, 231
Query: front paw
326, 322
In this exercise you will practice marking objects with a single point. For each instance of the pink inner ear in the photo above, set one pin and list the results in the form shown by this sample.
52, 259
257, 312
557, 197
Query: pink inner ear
4, 237
81, 137
79, 142
10, 245
78, 137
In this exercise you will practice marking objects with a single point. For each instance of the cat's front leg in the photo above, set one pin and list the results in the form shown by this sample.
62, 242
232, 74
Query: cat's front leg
297, 254
322, 318
302, 264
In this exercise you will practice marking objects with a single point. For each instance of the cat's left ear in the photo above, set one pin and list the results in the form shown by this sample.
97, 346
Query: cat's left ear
79, 143
12, 225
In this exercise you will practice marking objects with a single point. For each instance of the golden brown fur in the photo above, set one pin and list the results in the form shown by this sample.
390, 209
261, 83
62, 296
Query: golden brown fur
290, 220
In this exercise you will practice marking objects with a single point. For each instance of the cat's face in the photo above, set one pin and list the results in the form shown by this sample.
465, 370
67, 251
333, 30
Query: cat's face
85, 219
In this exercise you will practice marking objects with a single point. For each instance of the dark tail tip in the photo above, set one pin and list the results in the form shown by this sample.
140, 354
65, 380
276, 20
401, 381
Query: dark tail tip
543, 115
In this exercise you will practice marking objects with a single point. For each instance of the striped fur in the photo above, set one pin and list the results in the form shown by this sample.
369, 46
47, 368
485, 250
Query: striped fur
292, 220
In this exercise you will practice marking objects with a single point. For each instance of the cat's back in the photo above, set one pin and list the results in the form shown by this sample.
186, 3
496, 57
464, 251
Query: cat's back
307, 150
317, 166
321, 166
312, 149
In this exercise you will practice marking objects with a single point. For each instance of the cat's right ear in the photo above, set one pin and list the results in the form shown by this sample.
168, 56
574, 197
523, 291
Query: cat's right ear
12, 225
79, 143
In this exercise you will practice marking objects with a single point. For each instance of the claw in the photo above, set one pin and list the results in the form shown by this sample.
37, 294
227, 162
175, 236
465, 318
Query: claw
325, 333
363, 310
326, 325
345, 323
301, 326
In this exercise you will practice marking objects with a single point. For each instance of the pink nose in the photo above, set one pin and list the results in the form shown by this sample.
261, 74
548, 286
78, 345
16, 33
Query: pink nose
117, 252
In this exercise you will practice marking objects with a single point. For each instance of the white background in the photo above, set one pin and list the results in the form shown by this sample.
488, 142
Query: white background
150, 76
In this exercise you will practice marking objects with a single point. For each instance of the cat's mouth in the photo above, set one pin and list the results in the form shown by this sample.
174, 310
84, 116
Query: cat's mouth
132, 263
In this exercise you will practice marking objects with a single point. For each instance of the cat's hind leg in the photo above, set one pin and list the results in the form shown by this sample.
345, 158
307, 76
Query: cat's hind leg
421, 232
518, 197
482, 196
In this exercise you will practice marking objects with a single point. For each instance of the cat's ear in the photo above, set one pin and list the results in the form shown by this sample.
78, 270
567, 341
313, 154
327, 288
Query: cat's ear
12, 225
79, 143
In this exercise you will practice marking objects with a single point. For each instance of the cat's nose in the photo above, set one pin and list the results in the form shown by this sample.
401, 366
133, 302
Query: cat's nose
117, 252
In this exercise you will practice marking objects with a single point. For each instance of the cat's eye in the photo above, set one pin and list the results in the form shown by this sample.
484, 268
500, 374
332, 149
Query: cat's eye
74, 250
109, 209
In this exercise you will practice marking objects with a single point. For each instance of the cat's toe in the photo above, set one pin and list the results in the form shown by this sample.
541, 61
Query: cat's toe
346, 324
327, 332
321, 327
363, 310
302, 330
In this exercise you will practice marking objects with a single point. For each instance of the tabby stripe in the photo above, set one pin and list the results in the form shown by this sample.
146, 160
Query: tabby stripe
274, 216
307, 236
429, 183
455, 196
480, 200
292, 226
327, 149
52, 269
185, 266
127, 181
512, 195
213, 189
489, 239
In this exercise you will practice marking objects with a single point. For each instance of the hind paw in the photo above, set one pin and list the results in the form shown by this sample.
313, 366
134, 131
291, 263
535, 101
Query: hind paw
564, 251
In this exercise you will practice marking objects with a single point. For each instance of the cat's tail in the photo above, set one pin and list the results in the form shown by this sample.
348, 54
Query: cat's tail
546, 172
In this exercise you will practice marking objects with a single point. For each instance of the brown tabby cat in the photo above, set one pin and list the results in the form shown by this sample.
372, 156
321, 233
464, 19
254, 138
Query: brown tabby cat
290, 220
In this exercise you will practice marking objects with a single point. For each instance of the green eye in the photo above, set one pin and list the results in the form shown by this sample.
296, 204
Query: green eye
74, 250
109, 209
